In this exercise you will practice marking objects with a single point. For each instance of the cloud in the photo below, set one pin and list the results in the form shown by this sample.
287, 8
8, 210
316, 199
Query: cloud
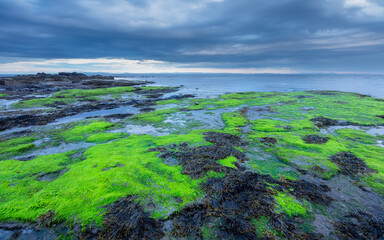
366, 8
221, 33
120, 66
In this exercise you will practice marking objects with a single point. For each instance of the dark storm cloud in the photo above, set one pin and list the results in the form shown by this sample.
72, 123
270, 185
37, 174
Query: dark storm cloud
309, 35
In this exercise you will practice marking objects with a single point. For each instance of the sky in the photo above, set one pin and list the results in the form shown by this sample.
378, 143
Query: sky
210, 36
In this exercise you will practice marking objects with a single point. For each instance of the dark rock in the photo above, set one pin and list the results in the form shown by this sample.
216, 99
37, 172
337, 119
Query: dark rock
26, 158
324, 122
311, 192
349, 164
25, 120
268, 140
360, 225
187, 222
126, 219
147, 109
197, 161
315, 139
119, 116
46, 219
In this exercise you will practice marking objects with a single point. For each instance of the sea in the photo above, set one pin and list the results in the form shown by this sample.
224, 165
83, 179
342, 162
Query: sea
212, 85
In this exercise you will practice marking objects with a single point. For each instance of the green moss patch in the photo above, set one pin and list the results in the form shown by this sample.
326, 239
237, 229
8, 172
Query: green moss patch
105, 137
289, 205
162, 170
108, 172
71, 96
16, 146
228, 162
79, 133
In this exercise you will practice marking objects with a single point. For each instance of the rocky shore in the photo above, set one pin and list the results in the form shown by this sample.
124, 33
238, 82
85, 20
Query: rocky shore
92, 157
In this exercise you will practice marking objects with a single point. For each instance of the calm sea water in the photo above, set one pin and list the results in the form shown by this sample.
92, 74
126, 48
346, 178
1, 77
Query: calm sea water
208, 85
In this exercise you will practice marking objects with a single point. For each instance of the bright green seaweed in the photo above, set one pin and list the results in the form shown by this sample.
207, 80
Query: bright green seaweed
125, 165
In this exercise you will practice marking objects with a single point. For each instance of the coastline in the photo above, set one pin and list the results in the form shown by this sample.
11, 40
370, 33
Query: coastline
249, 164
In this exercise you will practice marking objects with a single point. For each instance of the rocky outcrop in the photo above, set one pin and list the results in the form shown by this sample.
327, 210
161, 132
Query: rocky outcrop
65, 80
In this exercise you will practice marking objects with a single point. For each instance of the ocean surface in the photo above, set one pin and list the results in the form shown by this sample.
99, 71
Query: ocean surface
211, 85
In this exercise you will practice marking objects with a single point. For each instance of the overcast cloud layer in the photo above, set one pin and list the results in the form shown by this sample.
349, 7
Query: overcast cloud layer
180, 35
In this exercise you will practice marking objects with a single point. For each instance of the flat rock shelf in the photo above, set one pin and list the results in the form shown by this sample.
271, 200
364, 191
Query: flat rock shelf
90, 157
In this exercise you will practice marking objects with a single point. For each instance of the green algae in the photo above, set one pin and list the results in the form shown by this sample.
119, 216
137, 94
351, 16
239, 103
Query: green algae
373, 156
233, 121
78, 93
125, 166
22, 196
16, 146
345, 106
72, 95
3, 95
170, 101
272, 166
228, 162
155, 116
264, 228
105, 173
291, 148
212, 174
105, 137
79, 133
289, 205
356, 136
42, 102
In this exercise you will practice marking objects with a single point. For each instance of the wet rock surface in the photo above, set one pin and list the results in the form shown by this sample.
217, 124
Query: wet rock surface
238, 198
315, 139
324, 122
126, 219
350, 164
197, 161
46, 219
360, 225
55, 82
31, 231
236, 183
268, 140
30, 118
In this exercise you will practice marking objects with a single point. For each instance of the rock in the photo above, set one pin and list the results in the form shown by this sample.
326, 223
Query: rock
268, 140
350, 164
315, 139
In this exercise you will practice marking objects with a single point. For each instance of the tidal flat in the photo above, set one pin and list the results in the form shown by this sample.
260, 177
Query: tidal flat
90, 157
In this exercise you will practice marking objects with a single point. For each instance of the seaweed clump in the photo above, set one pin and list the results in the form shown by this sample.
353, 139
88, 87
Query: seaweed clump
311, 192
315, 139
324, 122
238, 198
349, 164
126, 219
198, 161
188, 221
46, 219
268, 140
361, 225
